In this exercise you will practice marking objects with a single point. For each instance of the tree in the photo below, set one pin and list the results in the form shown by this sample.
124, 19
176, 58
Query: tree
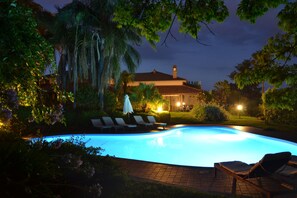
250, 95
146, 96
121, 87
221, 93
245, 67
228, 95
250, 10
151, 17
92, 46
275, 62
272, 65
203, 97
24, 53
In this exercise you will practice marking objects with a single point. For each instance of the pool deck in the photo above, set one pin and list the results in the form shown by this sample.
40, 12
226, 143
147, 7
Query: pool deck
201, 179
195, 178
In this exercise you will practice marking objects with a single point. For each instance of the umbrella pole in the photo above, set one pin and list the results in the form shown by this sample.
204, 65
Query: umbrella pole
128, 114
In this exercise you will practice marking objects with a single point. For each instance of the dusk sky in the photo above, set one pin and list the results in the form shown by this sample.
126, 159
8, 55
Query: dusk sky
233, 42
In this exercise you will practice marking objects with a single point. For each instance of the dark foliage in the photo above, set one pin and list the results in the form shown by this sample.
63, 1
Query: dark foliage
282, 117
50, 169
209, 112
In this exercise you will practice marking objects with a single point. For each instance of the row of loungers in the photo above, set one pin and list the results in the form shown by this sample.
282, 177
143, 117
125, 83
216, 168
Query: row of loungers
119, 123
152, 122
278, 168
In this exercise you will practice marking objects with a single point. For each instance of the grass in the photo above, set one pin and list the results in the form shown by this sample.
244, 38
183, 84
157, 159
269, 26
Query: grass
182, 118
188, 118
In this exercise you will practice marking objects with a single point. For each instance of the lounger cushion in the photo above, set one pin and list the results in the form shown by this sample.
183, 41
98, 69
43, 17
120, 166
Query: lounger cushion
238, 167
269, 164
293, 160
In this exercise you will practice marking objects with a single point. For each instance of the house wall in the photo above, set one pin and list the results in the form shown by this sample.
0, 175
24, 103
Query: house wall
187, 101
159, 83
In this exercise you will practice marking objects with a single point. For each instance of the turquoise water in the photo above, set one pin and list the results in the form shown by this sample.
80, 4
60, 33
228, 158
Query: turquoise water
190, 146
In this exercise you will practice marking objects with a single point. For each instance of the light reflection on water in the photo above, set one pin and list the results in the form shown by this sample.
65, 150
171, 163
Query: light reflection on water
190, 145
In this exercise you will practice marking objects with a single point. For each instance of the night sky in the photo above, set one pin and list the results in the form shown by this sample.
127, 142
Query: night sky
233, 41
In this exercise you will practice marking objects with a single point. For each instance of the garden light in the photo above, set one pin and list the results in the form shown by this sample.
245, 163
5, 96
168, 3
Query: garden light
160, 109
239, 108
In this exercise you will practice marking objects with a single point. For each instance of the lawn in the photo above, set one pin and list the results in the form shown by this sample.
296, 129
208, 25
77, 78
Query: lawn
188, 118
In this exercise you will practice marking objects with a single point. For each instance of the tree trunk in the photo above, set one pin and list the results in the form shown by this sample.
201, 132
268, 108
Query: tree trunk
75, 79
263, 103
100, 78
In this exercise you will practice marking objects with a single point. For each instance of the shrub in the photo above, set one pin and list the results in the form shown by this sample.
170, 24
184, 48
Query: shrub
281, 116
77, 119
162, 117
209, 112
87, 98
110, 102
54, 169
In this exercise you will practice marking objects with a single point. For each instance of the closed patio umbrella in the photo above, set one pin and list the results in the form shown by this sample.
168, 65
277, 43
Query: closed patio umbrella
127, 105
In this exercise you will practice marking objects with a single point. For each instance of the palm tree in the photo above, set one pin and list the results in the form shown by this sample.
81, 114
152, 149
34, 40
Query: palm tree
92, 47
146, 95
121, 87
117, 45
72, 38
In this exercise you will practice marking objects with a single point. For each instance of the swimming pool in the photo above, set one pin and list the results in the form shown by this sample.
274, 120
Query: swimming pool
189, 145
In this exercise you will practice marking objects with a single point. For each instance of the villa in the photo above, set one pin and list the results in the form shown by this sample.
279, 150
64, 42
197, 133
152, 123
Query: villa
180, 93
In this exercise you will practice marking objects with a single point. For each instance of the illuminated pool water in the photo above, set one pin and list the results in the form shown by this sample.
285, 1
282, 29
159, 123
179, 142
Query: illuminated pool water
189, 146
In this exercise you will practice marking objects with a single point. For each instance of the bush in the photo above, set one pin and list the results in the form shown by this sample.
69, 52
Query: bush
87, 98
110, 102
77, 119
209, 112
162, 117
55, 169
42, 168
281, 116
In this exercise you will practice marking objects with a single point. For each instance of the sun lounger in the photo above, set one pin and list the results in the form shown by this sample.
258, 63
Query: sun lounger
265, 168
152, 119
288, 175
293, 161
99, 125
109, 122
121, 122
139, 120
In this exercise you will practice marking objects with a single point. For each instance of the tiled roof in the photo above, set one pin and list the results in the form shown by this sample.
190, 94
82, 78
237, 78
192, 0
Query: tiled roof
154, 76
178, 89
